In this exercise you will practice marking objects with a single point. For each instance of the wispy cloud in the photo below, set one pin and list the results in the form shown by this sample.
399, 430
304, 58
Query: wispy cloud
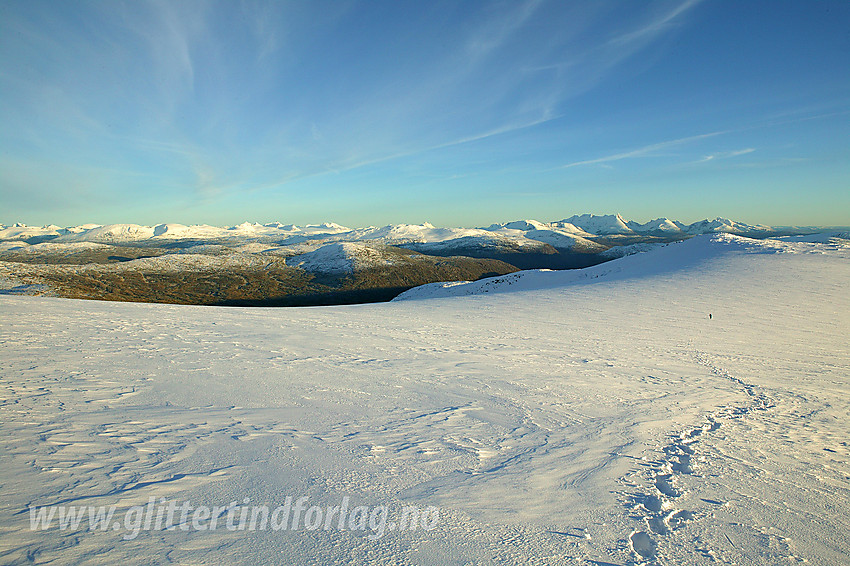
726, 154
219, 99
658, 24
548, 54
645, 151
494, 33
352, 164
589, 63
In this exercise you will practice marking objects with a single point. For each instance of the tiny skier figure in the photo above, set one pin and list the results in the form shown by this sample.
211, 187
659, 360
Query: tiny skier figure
709, 316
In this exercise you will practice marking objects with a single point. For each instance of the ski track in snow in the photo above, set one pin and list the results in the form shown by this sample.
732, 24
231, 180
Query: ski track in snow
660, 506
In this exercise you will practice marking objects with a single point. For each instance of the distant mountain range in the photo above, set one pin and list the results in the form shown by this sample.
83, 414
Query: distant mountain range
570, 229
284, 264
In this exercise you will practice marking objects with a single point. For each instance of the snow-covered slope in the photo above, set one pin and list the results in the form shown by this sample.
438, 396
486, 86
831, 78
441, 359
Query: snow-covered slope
659, 259
170, 263
611, 422
340, 258
244, 231
416, 233
630, 249
23, 232
50, 246
109, 234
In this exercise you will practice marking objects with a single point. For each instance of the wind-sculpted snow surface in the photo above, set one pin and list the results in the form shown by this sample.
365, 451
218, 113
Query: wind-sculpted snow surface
683, 406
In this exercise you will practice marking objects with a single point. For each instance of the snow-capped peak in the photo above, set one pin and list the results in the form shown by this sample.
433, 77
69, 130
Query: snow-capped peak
662, 225
524, 225
578, 226
247, 226
724, 225
107, 234
600, 224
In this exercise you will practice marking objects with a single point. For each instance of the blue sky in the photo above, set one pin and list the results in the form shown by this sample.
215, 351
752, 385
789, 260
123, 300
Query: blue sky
457, 113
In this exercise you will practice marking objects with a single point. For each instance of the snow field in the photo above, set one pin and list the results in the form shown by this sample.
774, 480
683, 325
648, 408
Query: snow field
604, 420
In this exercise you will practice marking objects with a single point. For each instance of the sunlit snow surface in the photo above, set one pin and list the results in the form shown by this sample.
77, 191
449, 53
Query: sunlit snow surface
587, 417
